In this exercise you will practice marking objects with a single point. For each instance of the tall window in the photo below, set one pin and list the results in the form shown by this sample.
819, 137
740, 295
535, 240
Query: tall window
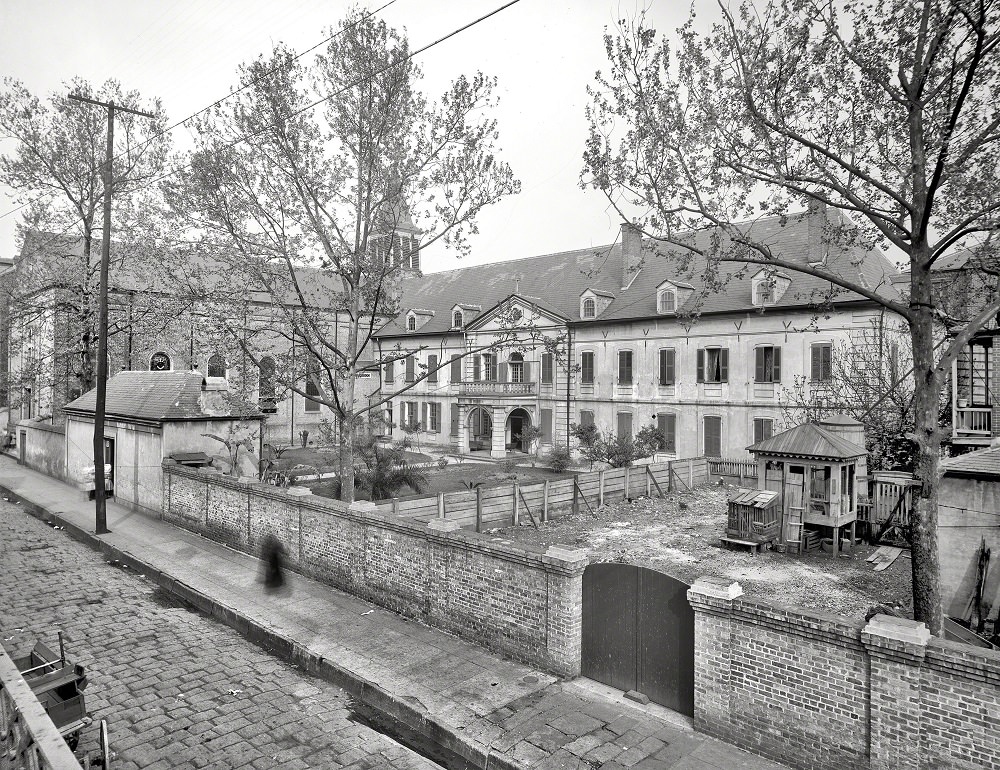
821, 359
624, 425
312, 386
587, 368
624, 367
159, 362
763, 429
713, 365
666, 423
546, 368
456, 320
589, 308
586, 418
217, 366
265, 386
666, 374
516, 367
767, 364
432, 370
667, 301
432, 417
489, 367
713, 436
546, 426
411, 323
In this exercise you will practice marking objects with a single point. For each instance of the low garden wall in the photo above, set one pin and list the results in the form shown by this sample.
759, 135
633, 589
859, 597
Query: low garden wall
44, 447
508, 505
816, 691
522, 602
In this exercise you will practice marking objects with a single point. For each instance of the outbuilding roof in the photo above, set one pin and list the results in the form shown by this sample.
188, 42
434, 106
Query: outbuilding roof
983, 462
809, 440
154, 396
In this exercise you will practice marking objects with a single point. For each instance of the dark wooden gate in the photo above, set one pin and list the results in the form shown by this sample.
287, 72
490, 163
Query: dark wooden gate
638, 633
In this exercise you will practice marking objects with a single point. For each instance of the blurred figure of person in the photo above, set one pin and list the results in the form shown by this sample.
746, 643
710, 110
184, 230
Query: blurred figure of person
273, 554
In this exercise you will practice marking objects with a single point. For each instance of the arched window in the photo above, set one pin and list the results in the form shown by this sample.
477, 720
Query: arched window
265, 388
765, 293
217, 366
159, 362
457, 320
668, 301
516, 363
589, 308
411, 323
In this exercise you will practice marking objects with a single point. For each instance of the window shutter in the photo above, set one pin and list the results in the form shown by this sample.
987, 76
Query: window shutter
547, 368
388, 371
724, 365
759, 374
776, 366
477, 368
667, 425
827, 362
456, 368
404, 407
662, 375
713, 436
436, 417
815, 363
410, 366
426, 416
586, 418
701, 365
432, 362
502, 377
671, 366
454, 419
526, 372
413, 414
547, 426
624, 424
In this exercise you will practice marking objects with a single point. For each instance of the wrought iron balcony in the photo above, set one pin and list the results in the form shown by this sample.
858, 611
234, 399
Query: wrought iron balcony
518, 389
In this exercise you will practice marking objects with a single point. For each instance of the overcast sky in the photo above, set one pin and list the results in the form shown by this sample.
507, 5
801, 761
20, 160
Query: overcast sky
544, 53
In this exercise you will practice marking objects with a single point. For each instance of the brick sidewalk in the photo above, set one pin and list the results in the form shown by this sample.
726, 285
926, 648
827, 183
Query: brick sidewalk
482, 707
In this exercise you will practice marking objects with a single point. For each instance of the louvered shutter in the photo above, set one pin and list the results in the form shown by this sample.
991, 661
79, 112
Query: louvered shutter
724, 365
432, 362
816, 363
456, 368
776, 366
701, 365
759, 374
410, 366
526, 376
477, 368
547, 426
713, 436
503, 372
454, 419
667, 425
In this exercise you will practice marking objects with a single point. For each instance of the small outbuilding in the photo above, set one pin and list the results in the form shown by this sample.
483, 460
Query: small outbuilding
150, 416
815, 472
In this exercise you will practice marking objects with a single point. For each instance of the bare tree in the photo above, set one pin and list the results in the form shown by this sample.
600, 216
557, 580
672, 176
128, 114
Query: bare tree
316, 186
56, 171
882, 111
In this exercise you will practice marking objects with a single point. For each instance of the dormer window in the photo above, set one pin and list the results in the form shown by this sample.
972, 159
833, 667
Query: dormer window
457, 320
667, 301
768, 287
765, 294
411, 323
589, 308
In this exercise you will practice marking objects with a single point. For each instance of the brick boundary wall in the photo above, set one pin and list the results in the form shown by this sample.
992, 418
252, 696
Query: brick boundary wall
521, 602
817, 691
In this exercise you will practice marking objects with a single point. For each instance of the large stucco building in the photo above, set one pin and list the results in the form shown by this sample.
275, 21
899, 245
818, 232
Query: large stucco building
623, 337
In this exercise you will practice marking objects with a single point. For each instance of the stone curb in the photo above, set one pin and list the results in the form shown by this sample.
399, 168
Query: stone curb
369, 693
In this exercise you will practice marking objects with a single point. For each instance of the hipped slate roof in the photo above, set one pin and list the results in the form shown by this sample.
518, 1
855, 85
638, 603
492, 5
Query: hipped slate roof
984, 462
561, 278
154, 396
809, 441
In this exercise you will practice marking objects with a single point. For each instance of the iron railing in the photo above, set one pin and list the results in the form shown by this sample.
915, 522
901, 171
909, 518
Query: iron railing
498, 388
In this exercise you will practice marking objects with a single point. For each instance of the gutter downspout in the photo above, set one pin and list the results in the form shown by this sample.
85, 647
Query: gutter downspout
569, 360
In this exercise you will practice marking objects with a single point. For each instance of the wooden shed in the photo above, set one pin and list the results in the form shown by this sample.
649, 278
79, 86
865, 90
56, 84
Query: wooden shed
754, 517
815, 472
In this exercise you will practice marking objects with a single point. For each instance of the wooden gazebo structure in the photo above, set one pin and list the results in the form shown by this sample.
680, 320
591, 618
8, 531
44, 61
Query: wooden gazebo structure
815, 471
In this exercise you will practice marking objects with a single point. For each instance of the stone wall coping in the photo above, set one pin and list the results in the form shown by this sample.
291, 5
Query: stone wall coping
459, 539
443, 525
299, 491
717, 588
894, 629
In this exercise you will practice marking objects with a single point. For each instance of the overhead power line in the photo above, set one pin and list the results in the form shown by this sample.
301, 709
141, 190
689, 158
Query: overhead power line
216, 103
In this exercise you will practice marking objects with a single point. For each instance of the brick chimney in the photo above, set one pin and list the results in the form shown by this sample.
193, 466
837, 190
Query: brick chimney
631, 252
816, 220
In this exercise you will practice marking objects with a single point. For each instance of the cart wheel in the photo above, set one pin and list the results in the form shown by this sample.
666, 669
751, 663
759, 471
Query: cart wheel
72, 740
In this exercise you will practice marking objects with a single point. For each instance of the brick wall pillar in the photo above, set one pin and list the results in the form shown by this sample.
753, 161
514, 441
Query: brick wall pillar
896, 649
564, 619
712, 602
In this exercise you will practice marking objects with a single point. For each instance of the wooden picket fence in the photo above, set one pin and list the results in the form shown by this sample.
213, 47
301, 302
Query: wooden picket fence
503, 506
741, 469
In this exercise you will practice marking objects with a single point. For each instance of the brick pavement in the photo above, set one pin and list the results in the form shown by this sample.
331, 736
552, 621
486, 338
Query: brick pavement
495, 712
178, 690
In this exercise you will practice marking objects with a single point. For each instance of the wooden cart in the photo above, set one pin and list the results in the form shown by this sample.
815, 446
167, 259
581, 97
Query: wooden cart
59, 686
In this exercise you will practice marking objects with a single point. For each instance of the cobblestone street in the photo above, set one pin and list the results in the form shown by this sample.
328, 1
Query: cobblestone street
178, 690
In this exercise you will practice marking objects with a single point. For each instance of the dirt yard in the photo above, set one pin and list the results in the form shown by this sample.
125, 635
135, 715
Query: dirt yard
680, 535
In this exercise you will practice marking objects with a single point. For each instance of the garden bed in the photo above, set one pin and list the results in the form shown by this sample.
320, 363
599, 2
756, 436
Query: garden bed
680, 535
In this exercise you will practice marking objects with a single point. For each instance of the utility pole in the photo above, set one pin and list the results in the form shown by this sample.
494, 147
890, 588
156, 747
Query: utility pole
101, 520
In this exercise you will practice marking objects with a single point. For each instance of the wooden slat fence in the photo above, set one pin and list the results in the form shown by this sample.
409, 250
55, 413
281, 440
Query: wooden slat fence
884, 491
502, 506
738, 468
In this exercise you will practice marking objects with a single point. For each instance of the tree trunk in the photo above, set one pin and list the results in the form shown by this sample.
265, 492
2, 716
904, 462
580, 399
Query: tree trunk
346, 460
927, 435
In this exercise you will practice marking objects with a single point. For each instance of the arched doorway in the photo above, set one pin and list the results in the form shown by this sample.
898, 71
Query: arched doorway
480, 430
517, 422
